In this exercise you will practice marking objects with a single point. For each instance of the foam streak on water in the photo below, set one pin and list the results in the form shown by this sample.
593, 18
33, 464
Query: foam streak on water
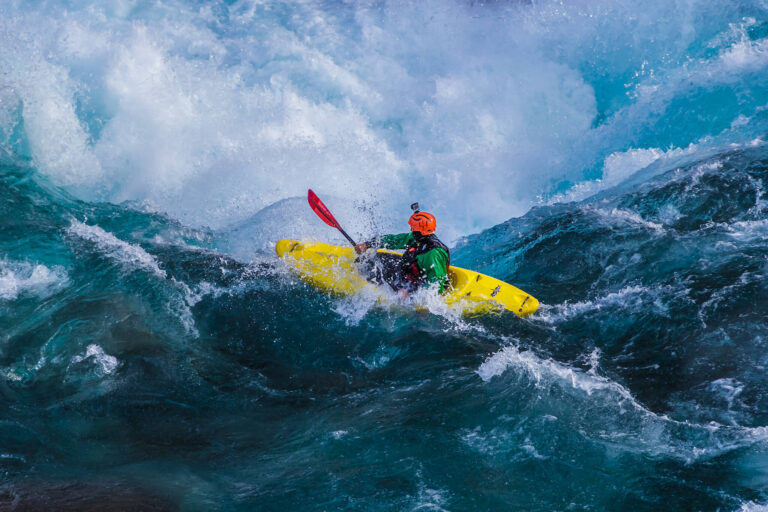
129, 256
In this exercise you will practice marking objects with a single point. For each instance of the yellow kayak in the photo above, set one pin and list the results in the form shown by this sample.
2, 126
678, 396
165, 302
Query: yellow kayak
332, 269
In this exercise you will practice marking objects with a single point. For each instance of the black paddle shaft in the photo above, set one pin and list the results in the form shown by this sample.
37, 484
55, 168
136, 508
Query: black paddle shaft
346, 235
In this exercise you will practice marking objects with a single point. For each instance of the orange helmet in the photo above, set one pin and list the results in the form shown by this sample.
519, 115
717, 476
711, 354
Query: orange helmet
423, 222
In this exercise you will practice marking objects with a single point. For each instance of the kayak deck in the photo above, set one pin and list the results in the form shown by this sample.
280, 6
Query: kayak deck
332, 268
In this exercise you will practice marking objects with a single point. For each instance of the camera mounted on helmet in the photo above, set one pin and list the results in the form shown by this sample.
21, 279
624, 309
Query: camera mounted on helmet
422, 223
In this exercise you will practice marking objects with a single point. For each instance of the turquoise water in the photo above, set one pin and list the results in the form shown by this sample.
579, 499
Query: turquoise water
608, 158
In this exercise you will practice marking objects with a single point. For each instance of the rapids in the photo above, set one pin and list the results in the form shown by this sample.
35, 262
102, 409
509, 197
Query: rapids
606, 156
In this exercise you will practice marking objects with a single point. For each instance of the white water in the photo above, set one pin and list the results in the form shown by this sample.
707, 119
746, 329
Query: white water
212, 112
20, 278
132, 257
607, 411
129, 256
104, 363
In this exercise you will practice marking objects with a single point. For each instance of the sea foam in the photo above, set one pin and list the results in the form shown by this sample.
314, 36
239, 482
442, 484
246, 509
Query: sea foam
19, 278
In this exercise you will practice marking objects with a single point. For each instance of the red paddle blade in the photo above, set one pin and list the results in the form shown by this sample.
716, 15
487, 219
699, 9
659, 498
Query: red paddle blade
321, 210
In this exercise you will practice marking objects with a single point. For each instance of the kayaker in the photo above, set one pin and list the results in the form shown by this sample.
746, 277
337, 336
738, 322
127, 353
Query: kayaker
425, 261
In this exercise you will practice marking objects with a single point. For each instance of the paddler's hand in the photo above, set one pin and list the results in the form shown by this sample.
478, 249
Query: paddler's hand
403, 294
361, 248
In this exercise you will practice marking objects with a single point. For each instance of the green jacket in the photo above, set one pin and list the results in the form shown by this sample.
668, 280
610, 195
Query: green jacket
433, 263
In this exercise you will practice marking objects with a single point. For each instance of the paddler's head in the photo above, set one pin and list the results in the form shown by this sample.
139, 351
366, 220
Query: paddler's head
422, 223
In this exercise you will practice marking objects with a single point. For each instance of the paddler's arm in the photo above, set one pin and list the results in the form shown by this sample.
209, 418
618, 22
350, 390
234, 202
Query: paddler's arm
400, 241
434, 264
